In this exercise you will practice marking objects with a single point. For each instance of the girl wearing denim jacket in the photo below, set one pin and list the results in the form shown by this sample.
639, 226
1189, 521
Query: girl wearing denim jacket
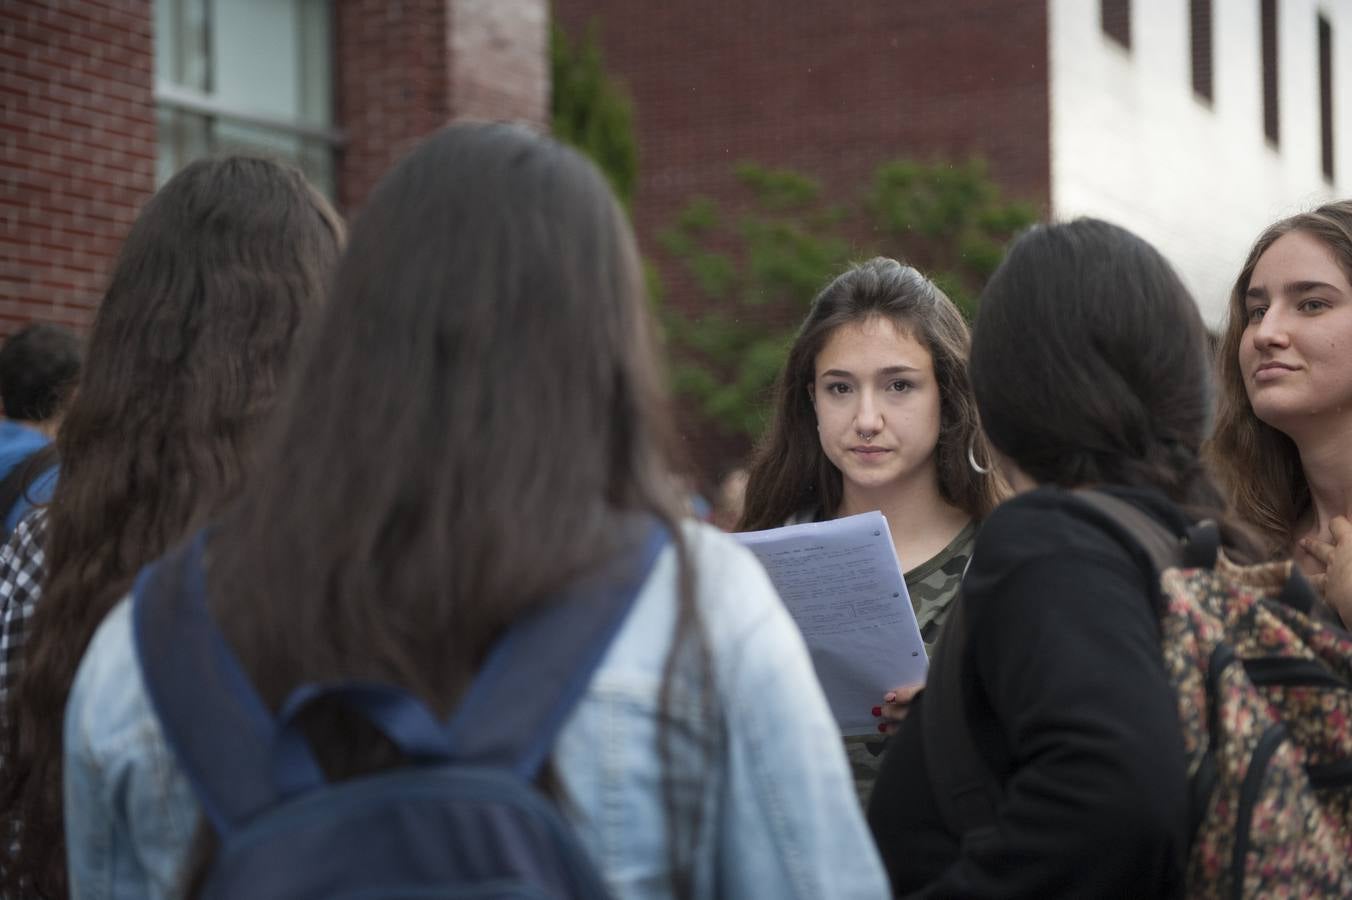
478, 415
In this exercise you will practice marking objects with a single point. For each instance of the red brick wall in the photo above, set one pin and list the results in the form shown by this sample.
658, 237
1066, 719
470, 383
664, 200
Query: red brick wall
830, 89
405, 69
77, 158
77, 104
393, 85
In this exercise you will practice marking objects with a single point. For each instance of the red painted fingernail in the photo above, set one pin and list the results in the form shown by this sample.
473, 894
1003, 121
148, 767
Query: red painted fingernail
877, 710
882, 726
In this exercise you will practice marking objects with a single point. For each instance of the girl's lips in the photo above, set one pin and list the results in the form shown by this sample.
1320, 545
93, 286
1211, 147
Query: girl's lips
1271, 371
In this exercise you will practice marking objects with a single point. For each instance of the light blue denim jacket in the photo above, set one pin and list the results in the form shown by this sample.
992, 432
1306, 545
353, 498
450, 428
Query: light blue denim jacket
778, 813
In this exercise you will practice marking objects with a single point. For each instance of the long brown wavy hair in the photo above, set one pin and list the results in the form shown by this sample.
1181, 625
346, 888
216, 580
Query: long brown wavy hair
1259, 466
210, 294
479, 416
790, 473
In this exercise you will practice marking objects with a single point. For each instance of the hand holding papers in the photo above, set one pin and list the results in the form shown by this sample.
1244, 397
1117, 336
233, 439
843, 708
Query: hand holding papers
841, 582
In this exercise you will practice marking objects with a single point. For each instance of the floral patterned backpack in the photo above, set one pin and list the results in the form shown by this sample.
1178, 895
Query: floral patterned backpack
1265, 703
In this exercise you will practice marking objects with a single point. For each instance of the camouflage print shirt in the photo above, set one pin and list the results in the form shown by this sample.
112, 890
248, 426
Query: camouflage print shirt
932, 585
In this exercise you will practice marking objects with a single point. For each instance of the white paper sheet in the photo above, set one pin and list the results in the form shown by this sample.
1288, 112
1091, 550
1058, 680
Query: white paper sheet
843, 586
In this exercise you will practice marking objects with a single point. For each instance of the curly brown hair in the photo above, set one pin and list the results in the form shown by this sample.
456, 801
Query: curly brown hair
212, 289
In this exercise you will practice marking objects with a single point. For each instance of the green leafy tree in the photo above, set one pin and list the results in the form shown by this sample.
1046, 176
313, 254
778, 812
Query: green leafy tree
756, 272
590, 111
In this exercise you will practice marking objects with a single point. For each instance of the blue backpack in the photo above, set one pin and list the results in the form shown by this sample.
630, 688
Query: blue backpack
463, 819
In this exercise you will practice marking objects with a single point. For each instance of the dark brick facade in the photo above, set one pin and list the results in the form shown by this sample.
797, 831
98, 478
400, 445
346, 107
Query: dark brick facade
392, 85
78, 153
404, 69
829, 89
78, 107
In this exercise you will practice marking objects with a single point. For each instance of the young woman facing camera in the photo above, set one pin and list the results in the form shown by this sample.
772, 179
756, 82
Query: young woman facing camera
874, 411
1285, 420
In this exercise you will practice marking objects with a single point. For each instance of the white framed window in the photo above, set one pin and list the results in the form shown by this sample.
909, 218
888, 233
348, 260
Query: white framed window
249, 76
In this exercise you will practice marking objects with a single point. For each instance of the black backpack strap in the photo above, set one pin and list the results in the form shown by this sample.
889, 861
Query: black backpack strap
1161, 545
240, 759
1301, 596
23, 474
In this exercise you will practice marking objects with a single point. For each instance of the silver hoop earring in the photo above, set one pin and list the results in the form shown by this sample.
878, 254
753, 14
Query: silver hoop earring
971, 461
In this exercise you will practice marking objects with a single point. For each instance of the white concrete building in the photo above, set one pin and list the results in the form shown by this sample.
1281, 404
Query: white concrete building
1135, 140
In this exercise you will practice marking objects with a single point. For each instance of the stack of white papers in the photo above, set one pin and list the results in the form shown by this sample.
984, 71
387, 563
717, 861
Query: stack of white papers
841, 582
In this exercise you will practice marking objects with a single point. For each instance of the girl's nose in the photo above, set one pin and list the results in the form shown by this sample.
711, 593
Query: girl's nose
1271, 330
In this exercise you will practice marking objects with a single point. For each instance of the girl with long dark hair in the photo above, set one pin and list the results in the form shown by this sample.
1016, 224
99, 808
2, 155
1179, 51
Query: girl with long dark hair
212, 290
477, 421
874, 410
1089, 366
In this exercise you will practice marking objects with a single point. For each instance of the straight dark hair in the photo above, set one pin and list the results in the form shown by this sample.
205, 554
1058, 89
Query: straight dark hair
478, 418
791, 474
211, 291
1090, 366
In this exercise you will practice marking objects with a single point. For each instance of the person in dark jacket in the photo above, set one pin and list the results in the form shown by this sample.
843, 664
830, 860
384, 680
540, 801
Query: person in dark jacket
1090, 369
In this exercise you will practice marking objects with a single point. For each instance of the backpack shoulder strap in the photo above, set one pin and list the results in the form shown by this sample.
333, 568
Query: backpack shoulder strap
241, 759
538, 672
22, 475
1162, 546
516, 705
213, 720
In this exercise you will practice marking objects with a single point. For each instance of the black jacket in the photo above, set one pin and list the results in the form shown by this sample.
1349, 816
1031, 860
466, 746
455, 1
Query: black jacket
1068, 701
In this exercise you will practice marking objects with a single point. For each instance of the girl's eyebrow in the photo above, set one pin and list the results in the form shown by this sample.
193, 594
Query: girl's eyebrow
1300, 287
889, 370
1291, 287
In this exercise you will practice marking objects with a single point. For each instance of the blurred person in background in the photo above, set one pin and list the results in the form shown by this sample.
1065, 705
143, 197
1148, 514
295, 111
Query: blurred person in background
489, 322
874, 411
39, 371
213, 288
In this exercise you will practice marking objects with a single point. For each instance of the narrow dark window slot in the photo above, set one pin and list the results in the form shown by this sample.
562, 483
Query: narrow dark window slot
1271, 120
1202, 66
